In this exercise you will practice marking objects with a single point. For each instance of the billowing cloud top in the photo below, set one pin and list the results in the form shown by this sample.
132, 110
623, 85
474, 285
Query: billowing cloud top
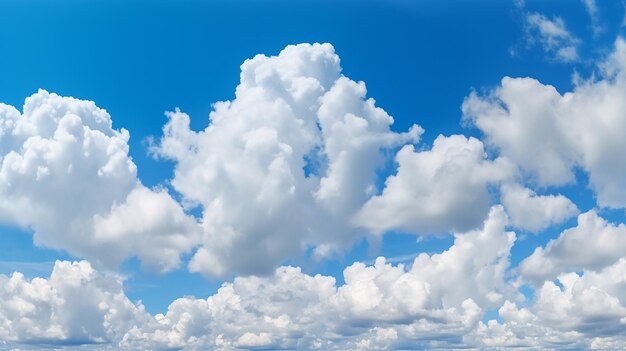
284, 165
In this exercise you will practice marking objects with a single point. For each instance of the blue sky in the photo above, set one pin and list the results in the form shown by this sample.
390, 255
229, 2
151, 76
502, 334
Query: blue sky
437, 64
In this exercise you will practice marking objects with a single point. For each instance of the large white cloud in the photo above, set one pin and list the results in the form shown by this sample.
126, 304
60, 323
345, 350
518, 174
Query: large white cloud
593, 244
63, 169
284, 165
548, 134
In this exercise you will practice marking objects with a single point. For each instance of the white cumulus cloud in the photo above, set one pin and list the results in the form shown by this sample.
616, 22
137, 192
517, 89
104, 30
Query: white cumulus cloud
548, 134
578, 311
533, 212
291, 166
436, 190
593, 244
284, 165
66, 174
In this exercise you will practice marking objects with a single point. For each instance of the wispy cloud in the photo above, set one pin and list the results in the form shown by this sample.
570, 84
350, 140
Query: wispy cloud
592, 9
553, 37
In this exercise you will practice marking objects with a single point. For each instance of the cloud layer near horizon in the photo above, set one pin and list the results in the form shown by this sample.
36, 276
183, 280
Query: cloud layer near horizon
291, 166
449, 294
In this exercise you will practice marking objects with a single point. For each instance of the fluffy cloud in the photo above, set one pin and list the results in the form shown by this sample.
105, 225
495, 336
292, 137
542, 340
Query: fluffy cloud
76, 305
284, 165
533, 212
548, 134
552, 35
449, 293
60, 158
593, 244
585, 311
436, 190
63, 169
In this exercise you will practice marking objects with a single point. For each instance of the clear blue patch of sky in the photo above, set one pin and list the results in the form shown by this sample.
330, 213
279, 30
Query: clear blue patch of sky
17, 253
156, 291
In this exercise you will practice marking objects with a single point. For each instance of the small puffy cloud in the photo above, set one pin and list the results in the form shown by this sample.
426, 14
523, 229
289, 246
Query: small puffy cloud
593, 244
66, 174
284, 165
592, 10
552, 35
437, 190
533, 212
548, 134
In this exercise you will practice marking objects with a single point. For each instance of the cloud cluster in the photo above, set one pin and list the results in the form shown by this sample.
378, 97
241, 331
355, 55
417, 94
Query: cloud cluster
592, 10
288, 309
292, 162
435, 190
291, 165
577, 311
439, 301
532, 212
